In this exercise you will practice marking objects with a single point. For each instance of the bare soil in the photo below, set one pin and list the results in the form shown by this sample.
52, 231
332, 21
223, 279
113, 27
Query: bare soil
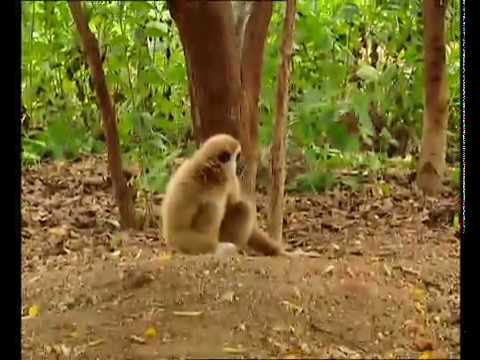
385, 283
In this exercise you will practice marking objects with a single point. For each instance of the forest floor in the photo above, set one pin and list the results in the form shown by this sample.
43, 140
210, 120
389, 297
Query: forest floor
385, 283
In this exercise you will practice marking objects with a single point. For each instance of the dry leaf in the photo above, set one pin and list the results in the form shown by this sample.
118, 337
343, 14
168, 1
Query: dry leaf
293, 355
232, 350
187, 313
33, 311
423, 344
328, 269
228, 296
95, 342
59, 231
150, 332
426, 355
137, 339
387, 270
419, 294
433, 355
164, 256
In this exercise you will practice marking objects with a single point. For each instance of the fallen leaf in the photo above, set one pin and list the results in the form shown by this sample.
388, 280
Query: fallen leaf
187, 313
137, 339
33, 311
426, 355
328, 269
423, 344
419, 294
387, 270
437, 354
420, 308
293, 355
150, 332
59, 231
232, 350
292, 307
229, 296
95, 342
164, 256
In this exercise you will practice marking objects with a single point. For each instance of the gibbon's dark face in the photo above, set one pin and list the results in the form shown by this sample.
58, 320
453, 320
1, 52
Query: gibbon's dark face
229, 160
224, 149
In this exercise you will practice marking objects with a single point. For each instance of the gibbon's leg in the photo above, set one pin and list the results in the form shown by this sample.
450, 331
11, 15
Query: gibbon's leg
260, 241
194, 243
204, 219
239, 227
237, 224
201, 237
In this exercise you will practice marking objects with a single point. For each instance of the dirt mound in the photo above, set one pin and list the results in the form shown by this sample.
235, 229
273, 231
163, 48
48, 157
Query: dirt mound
385, 283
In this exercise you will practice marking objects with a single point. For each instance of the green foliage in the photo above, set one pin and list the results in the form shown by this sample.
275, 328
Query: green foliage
349, 57
356, 55
456, 176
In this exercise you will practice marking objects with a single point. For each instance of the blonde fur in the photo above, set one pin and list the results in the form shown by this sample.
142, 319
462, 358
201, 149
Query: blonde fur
203, 210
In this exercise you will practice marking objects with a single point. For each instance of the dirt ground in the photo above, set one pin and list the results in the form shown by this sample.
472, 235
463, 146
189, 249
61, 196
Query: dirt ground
385, 283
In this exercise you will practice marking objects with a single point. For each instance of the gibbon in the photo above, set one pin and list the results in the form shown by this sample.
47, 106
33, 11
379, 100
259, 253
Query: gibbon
203, 210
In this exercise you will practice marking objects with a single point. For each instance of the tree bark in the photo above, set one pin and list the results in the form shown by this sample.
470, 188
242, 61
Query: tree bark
207, 34
90, 44
435, 119
252, 50
223, 44
278, 170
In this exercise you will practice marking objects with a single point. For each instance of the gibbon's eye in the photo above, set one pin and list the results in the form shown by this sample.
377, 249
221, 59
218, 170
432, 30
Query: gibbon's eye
224, 157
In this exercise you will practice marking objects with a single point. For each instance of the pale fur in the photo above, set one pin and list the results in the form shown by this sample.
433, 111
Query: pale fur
203, 215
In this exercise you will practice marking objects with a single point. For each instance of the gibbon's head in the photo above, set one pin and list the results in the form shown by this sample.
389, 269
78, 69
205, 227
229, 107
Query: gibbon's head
221, 152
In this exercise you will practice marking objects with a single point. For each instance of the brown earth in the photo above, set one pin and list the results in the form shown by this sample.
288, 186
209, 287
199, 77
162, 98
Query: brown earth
385, 283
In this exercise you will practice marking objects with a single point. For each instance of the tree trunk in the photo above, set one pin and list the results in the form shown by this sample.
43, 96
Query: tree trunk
207, 34
223, 44
251, 50
435, 119
278, 146
90, 44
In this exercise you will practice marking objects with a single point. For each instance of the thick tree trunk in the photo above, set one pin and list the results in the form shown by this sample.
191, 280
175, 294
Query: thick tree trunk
90, 44
223, 43
207, 33
435, 120
278, 146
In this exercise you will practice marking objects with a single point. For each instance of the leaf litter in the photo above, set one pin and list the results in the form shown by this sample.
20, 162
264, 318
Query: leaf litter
382, 278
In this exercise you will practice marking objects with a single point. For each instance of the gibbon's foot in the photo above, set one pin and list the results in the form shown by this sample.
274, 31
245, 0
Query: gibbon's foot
225, 250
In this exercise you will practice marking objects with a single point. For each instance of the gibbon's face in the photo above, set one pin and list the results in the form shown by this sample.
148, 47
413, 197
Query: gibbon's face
223, 149
229, 160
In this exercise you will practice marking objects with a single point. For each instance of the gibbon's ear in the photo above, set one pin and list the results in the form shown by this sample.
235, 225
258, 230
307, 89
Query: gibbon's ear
224, 157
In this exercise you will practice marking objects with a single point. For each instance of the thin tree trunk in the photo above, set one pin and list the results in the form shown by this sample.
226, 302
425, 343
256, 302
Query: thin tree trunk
278, 146
435, 119
90, 44
207, 33
252, 50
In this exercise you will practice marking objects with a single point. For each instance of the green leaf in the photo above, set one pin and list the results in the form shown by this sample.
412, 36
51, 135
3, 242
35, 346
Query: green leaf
456, 222
360, 104
456, 176
317, 181
349, 11
341, 139
368, 73
151, 76
139, 36
156, 29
